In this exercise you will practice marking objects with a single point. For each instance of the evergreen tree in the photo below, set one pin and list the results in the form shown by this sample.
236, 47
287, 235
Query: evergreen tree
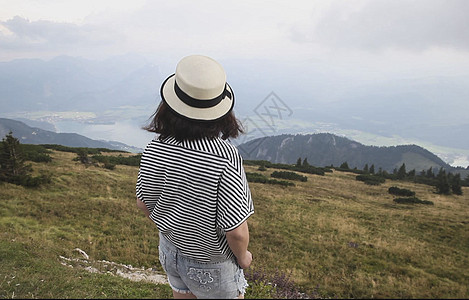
455, 183
372, 169
365, 169
12, 166
298, 162
430, 173
401, 173
442, 184
305, 162
344, 165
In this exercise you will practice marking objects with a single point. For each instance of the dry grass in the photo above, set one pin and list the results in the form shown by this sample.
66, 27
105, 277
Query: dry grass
342, 235
352, 240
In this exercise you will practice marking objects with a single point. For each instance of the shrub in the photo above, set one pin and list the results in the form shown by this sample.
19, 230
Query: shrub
36, 153
289, 175
400, 192
412, 200
29, 181
257, 177
109, 166
370, 179
299, 168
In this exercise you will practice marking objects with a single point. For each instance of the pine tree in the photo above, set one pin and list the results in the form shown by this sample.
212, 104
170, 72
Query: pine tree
12, 166
372, 169
298, 162
305, 162
365, 169
430, 173
442, 184
455, 183
401, 173
344, 165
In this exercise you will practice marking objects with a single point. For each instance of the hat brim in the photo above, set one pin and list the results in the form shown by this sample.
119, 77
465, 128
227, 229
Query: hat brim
218, 111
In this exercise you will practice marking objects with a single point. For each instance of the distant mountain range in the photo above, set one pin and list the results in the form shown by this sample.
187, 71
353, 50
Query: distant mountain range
32, 135
325, 149
66, 92
75, 84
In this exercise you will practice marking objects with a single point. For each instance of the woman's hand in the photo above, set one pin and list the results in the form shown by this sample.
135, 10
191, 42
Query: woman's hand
245, 261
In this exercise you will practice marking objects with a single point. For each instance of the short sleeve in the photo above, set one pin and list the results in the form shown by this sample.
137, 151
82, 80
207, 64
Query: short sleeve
234, 197
140, 191
138, 188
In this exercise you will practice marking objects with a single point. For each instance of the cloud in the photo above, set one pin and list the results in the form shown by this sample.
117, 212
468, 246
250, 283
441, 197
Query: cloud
378, 25
20, 34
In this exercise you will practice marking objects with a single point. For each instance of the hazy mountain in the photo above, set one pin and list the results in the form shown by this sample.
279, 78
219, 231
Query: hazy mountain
72, 94
326, 149
33, 135
76, 84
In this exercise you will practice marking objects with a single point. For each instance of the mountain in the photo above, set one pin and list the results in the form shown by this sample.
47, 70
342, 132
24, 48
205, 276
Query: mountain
325, 149
34, 135
76, 84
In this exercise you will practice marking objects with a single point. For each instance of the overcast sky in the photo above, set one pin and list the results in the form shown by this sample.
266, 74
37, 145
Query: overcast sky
425, 35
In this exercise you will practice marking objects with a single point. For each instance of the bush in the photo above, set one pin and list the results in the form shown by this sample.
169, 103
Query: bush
78, 149
412, 200
257, 177
370, 179
29, 181
289, 175
299, 168
36, 153
109, 166
400, 192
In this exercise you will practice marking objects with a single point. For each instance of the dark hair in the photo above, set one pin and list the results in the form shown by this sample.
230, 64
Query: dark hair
168, 123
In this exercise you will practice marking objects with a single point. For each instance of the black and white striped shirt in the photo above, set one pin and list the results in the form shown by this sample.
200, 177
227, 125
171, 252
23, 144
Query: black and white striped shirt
195, 192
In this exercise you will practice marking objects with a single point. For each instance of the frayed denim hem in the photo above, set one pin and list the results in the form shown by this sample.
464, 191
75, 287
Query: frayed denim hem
180, 291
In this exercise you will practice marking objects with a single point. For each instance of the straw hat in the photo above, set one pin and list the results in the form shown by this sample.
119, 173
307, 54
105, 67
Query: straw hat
198, 90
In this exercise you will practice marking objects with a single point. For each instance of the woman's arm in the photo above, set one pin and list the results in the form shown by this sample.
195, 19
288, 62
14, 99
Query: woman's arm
238, 240
143, 207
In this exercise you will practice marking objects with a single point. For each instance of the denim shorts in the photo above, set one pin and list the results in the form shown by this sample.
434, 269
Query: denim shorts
220, 280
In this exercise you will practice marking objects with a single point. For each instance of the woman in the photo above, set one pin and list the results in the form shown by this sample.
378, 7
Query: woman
192, 185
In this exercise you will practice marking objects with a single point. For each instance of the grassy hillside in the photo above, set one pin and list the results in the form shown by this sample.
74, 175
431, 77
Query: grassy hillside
336, 236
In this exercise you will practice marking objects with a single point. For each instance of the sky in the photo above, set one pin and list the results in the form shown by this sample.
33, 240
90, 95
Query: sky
428, 34
354, 41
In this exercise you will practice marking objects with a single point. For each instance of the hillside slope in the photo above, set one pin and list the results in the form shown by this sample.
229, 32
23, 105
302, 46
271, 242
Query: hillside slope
338, 237
32, 135
325, 149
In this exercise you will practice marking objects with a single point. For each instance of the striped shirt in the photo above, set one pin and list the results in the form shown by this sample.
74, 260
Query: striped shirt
195, 192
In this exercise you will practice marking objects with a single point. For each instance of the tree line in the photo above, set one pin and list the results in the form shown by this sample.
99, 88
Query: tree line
443, 181
14, 156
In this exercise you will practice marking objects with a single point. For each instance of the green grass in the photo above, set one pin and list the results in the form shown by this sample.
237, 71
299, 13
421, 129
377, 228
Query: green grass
30, 271
353, 241
338, 237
